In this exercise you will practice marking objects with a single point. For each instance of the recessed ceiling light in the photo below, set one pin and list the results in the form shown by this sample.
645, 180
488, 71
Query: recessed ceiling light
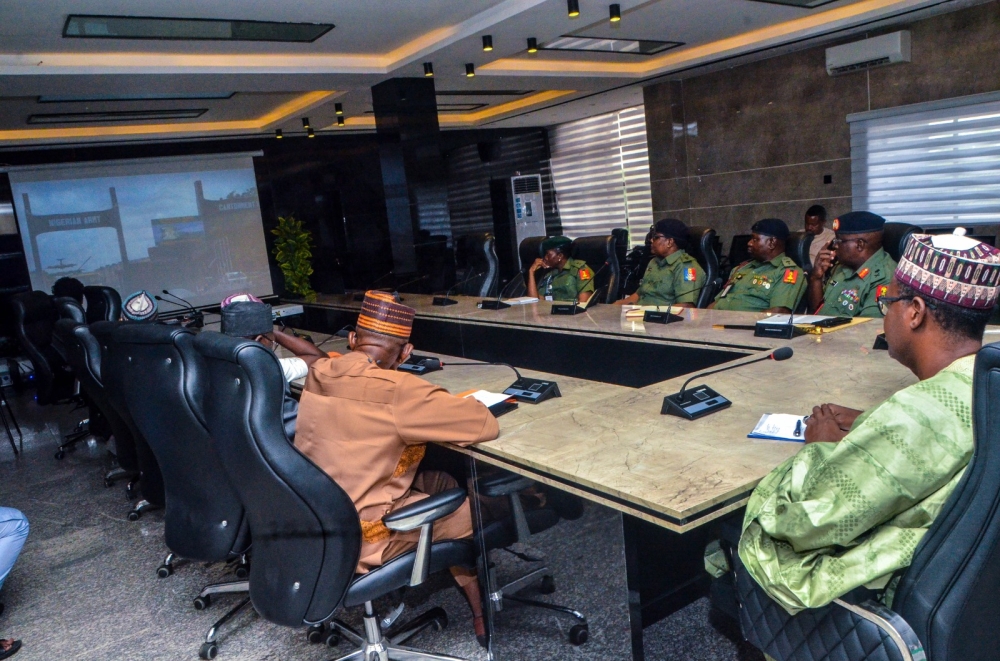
428, 69
487, 42
573, 8
115, 116
470, 70
170, 96
532, 45
617, 46
616, 12
81, 26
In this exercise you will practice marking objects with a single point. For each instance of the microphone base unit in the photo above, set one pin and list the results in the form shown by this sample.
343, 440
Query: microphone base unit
420, 365
286, 310
532, 391
567, 308
777, 331
694, 403
658, 317
880, 343
491, 304
443, 300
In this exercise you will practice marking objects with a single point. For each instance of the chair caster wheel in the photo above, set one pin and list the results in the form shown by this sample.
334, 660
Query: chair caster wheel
314, 634
163, 571
440, 623
201, 603
548, 585
60, 455
579, 634
134, 515
208, 651
108, 483
242, 571
333, 639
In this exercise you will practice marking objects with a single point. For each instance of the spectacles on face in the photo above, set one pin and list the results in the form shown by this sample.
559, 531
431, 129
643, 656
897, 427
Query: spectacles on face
657, 237
836, 242
886, 301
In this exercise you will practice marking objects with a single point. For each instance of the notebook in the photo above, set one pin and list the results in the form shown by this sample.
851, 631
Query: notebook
780, 427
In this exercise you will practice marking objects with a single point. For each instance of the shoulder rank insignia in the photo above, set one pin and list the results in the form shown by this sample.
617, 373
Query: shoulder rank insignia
863, 273
881, 291
584, 273
791, 276
690, 275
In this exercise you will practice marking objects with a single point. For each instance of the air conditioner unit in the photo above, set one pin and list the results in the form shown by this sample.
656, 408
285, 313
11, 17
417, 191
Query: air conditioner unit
869, 53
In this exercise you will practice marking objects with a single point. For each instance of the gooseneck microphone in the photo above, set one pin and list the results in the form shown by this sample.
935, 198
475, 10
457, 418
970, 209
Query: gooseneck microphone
197, 316
665, 317
496, 304
445, 300
702, 400
562, 308
407, 284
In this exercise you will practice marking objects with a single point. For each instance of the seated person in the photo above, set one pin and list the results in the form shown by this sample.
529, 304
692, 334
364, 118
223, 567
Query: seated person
13, 533
246, 316
367, 426
569, 279
70, 287
852, 273
815, 224
140, 307
673, 277
771, 281
850, 508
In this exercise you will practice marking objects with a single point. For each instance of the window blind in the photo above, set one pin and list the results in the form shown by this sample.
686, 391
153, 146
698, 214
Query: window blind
600, 172
929, 165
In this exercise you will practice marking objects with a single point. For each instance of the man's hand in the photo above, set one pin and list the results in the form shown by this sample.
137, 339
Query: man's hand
824, 260
539, 263
845, 416
823, 427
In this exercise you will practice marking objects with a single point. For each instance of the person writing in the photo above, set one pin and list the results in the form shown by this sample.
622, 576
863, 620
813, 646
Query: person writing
367, 425
851, 506
569, 280
771, 281
673, 277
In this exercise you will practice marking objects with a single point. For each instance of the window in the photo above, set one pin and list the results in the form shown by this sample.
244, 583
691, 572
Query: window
929, 164
600, 172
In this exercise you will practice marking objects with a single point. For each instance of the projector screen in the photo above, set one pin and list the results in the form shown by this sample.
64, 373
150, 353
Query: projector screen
191, 225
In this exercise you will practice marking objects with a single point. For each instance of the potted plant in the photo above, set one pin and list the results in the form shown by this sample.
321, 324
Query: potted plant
293, 251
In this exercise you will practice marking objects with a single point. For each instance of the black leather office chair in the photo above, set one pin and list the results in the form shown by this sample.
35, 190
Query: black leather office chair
894, 236
165, 381
69, 308
477, 253
34, 319
797, 247
528, 251
602, 257
621, 246
307, 535
103, 304
739, 252
701, 246
945, 607
633, 269
150, 481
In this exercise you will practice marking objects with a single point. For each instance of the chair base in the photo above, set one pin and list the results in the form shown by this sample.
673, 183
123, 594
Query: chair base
142, 506
116, 474
6, 424
210, 648
376, 646
578, 633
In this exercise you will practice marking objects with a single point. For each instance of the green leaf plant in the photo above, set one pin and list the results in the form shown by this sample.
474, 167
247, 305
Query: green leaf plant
293, 251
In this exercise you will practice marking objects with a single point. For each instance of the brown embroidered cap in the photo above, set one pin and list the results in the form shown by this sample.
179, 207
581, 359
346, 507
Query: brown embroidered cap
380, 313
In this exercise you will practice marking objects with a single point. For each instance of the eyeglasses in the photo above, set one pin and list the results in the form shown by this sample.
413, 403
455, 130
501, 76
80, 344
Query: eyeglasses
886, 301
656, 237
836, 242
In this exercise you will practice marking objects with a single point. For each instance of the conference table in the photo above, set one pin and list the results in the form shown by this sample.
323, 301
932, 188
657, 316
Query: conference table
665, 478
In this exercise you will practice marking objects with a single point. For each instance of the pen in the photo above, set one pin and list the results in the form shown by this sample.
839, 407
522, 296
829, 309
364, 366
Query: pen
798, 428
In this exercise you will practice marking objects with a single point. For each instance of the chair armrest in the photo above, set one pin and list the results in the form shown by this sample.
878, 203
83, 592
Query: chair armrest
891, 623
502, 484
425, 511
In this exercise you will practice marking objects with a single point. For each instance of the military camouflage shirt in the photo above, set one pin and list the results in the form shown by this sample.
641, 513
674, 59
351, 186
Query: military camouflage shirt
566, 284
850, 293
676, 278
755, 286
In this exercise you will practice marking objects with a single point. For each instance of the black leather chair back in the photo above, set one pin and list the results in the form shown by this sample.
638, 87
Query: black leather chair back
894, 236
306, 532
797, 247
598, 251
34, 320
165, 381
701, 246
103, 304
477, 252
69, 308
949, 592
530, 250
739, 251
621, 246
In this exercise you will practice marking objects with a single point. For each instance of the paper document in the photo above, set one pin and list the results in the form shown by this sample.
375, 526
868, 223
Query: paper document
639, 311
780, 427
488, 398
797, 319
520, 300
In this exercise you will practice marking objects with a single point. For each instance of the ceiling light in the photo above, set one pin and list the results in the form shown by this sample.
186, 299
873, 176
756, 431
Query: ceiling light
277, 134
310, 132
573, 8
81, 26
338, 108
305, 122
115, 116
428, 69
487, 42
170, 96
470, 70
532, 45
616, 12
340, 121
615, 46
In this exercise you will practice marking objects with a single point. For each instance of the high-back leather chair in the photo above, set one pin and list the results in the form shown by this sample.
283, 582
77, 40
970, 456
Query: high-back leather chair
479, 255
103, 304
797, 247
34, 319
528, 251
894, 236
945, 606
701, 246
307, 535
602, 257
69, 308
621, 246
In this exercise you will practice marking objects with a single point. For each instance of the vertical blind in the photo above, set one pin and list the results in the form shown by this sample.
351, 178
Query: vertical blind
929, 164
600, 172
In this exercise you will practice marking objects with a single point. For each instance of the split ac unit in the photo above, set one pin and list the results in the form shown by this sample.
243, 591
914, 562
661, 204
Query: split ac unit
868, 53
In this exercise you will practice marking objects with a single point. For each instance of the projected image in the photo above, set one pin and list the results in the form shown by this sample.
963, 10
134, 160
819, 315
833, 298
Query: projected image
195, 232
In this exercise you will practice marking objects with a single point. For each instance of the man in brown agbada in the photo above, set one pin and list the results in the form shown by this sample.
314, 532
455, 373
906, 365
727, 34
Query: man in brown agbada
367, 425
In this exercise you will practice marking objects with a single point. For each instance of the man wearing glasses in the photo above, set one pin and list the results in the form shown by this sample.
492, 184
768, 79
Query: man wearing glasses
771, 281
853, 272
849, 509
673, 277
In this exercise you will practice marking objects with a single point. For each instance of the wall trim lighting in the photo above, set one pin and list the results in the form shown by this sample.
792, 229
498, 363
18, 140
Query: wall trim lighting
470, 70
429, 69
305, 122
340, 121
338, 108
532, 45
616, 12
487, 42
310, 132
573, 8
277, 134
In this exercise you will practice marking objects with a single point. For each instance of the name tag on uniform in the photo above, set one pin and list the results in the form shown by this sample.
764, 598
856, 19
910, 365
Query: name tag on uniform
725, 291
549, 298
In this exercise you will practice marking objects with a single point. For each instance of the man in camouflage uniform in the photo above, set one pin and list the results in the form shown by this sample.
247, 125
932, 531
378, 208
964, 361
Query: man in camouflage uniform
771, 281
861, 275
673, 277
569, 279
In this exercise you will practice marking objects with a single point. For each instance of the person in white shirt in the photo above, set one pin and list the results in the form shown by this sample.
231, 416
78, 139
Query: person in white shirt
815, 224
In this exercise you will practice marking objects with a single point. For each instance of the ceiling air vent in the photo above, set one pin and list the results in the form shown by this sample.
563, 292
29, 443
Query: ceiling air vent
869, 53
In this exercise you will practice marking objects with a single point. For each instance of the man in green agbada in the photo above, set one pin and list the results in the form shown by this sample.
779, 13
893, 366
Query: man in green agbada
568, 280
850, 508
